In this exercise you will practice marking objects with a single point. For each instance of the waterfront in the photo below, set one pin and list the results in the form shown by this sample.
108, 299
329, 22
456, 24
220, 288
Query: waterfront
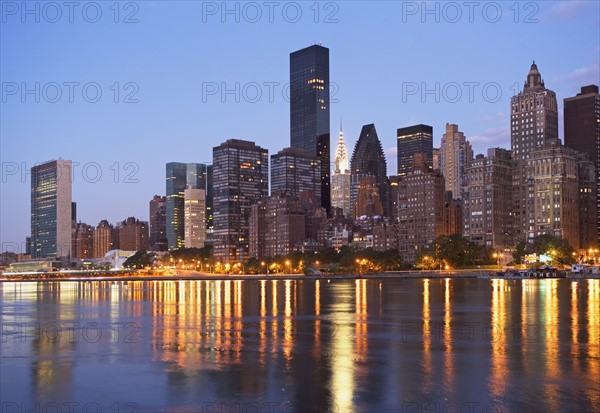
397, 345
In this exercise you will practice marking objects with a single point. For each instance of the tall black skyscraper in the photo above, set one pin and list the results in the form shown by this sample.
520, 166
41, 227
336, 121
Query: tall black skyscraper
411, 141
309, 109
368, 159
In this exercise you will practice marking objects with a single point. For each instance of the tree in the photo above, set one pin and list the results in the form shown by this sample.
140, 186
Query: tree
140, 259
558, 248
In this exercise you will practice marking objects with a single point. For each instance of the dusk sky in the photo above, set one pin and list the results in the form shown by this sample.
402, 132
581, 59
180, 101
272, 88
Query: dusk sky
172, 54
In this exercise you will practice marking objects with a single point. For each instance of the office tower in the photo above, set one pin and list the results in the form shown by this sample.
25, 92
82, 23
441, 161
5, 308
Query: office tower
240, 179
133, 234
420, 208
340, 180
309, 109
179, 177
534, 122
209, 203
83, 241
295, 171
51, 209
454, 157
588, 213
368, 159
194, 211
27, 245
488, 200
411, 141
103, 239
453, 215
158, 223
582, 131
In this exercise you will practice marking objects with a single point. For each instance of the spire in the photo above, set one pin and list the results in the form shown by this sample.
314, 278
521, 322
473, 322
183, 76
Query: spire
341, 155
534, 78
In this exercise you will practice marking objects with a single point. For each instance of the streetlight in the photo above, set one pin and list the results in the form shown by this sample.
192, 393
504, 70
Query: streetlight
288, 264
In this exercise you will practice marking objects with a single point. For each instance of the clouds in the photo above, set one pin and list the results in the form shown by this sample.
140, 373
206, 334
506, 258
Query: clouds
585, 75
490, 138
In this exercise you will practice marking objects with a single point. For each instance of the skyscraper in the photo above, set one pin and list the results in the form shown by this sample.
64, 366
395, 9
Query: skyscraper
420, 208
487, 199
158, 223
534, 122
340, 180
368, 159
240, 179
194, 211
295, 171
51, 209
309, 109
582, 131
83, 241
455, 155
179, 177
411, 141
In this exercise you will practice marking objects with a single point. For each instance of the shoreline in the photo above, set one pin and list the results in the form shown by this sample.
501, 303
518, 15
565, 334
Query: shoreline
199, 276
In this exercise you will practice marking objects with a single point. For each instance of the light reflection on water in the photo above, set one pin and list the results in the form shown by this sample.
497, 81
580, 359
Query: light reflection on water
294, 345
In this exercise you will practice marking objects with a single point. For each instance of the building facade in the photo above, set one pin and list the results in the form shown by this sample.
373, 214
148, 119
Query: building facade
309, 109
180, 176
413, 140
553, 188
340, 180
133, 234
194, 209
368, 159
104, 241
240, 179
534, 122
582, 132
51, 209
421, 197
83, 241
454, 157
487, 200
158, 223
295, 171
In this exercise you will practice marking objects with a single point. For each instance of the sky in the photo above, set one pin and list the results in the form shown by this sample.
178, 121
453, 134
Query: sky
123, 88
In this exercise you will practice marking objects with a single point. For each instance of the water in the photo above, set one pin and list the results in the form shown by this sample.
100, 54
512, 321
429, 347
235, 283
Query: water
440, 345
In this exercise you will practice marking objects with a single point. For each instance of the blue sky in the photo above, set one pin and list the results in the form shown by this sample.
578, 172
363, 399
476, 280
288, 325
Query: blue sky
156, 74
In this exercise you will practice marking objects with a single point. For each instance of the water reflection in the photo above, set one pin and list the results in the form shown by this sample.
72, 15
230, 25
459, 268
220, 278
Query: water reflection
355, 345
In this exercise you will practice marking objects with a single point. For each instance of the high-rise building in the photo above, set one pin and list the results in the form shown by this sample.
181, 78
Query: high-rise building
588, 214
194, 211
453, 215
421, 199
368, 159
582, 131
51, 209
553, 188
394, 181
534, 122
104, 239
309, 109
133, 234
340, 180
368, 202
411, 141
487, 200
240, 179
454, 157
83, 241
295, 171
209, 202
180, 176
158, 223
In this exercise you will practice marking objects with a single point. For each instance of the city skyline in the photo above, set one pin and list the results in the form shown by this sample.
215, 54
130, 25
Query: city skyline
119, 159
